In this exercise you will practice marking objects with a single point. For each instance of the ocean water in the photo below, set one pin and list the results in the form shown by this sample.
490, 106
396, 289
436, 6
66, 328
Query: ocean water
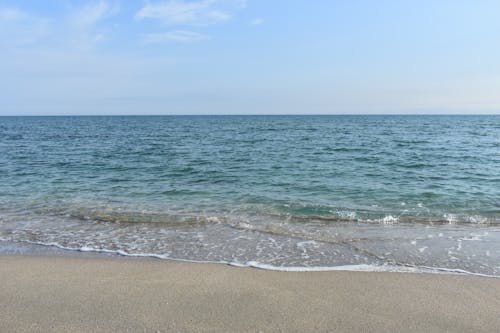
279, 192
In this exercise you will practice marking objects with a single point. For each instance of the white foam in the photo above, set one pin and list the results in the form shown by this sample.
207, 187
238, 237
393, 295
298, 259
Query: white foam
478, 219
255, 264
362, 268
213, 219
305, 244
475, 237
357, 268
422, 249
451, 218
345, 214
390, 219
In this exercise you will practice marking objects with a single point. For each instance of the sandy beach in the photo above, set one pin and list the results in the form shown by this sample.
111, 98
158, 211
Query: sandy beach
72, 294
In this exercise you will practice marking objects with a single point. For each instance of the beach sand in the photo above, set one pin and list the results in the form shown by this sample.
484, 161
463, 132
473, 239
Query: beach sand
72, 294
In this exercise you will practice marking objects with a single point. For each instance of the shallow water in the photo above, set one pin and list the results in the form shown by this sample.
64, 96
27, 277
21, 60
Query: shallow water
274, 191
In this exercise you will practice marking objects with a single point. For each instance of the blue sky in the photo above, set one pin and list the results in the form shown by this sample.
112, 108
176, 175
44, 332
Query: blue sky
249, 57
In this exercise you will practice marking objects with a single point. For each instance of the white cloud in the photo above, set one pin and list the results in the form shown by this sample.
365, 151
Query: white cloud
85, 23
11, 14
19, 28
241, 3
80, 28
217, 15
190, 12
180, 36
90, 14
257, 21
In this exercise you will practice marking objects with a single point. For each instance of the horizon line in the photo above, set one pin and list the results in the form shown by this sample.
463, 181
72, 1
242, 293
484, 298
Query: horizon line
251, 114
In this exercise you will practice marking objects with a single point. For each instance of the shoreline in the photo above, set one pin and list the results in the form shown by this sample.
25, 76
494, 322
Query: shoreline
108, 294
39, 249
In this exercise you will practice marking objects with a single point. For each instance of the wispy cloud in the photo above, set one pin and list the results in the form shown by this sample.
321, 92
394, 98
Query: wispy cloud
19, 28
241, 3
78, 27
88, 15
190, 12
85, 20
257, 21
181, 13
11, 14
179, 36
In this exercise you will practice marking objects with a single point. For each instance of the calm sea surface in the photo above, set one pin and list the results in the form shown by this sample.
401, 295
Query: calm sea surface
301, 192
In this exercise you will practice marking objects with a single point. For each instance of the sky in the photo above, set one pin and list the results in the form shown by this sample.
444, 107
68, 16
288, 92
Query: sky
69, 57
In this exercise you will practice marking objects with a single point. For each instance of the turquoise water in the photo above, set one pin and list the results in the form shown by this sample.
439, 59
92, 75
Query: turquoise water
281, 191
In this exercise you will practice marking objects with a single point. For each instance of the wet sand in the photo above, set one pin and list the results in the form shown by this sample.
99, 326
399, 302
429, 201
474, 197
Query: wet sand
77, 294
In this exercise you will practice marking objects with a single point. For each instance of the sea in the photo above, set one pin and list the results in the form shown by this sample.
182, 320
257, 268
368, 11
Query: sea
294, 193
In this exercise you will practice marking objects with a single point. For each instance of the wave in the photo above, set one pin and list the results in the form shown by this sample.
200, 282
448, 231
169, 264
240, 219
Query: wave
392, 218
275, 214
118, 215
149, 218
393, 268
